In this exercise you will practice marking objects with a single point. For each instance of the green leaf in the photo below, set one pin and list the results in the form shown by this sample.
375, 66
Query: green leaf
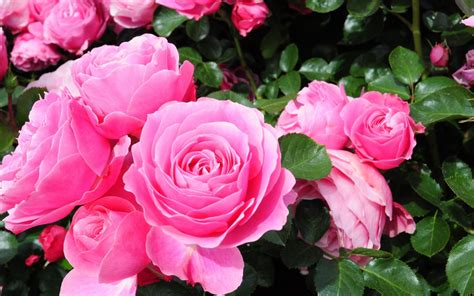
406, 65
324, 6
290, 83
432, 85
362, 8
232, 96
388, 84
436, 21
316, 69
460, 267
297, 254
271, 42
279, 237
303, 157
312, 220
198, 30
209, 73
360, 30
264, 266
431, 236
467, 6
458, 176
455, 212
26, 101
392, 277
338, 277
6, 137
289, 58
425, 186
352, 85
400, 6
163, 288
276, 105
249, 282
8, 246
189, 54
166, 20
370, 253
211, 48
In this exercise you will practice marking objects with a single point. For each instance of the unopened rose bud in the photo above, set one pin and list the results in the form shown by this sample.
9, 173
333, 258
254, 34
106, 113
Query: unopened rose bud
439, 55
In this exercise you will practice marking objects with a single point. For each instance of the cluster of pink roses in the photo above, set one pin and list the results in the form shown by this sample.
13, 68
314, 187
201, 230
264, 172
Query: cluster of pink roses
382, 133
165, 185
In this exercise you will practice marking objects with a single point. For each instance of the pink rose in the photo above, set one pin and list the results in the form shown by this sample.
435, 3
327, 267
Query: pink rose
75, 24
465, 74
132, 13
192, 8
35, 181
381, 129
469, 21
439, 55
321, 98
39, 9
58, 80
248, 15
123, 84
14, 14
3, 55
360, 204
31, 54
32, 260
208, 177
52, 241
76, 283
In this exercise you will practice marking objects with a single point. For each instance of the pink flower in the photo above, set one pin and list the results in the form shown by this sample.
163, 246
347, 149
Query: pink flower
381, 129
77, 283
39, 9
123, 84
469, 21
192, 8
35, 180
209, 179
248, 15
315, 113
52, 240
360, 204
439, 55
3, 55
75, 24
14, 14
32, 54
465, 74
132, 13
58, 80
31, 260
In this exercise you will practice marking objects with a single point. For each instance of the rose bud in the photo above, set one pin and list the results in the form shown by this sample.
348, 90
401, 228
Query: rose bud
31, 54
132, 14
248, 15
31, 260
52, 240
439, 55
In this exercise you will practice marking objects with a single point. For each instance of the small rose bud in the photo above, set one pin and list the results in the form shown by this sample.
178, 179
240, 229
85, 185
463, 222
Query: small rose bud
31, 260
52, 240
439, 55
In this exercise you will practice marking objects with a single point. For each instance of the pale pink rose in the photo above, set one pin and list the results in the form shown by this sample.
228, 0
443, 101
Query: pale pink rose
75, 24
192, 8
14, 14
208, 177
39, 9
315, 113
107, 239
77, 283
58, 80
132, 13
248, 15
465, 74
380, 129
31, 54
3, 55
439, 55
469, 21
37, 185
123, 84
360, 205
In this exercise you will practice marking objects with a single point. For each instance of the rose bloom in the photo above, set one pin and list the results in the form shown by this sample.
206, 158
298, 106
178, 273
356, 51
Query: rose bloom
360, 205
39, 9
439, 55
123, 84
248, 15
380, 129
465, 74
132, 13
36, 184
14, 14
58, 80
3, 55
315, 113
75, 24
52, 240
192, 8
208, 177
32, 54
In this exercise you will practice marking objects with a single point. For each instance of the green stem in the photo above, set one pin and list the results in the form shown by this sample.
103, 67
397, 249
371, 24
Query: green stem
415, 27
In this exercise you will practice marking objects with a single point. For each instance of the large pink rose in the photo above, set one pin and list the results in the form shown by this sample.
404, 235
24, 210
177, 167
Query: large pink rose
248, 15
381, 129
360, 204
465, 74
58, 80
3, 55
40, 9
123, 84
32, 54
14, 14
192, 8
315, 113
36, 184
75, 24
132, 13
209, 178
